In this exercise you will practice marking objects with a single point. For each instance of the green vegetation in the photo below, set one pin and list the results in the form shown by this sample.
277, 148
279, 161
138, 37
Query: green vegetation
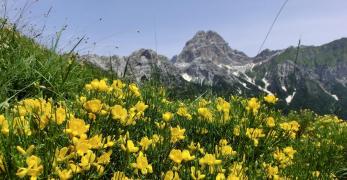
61, 119
28, 69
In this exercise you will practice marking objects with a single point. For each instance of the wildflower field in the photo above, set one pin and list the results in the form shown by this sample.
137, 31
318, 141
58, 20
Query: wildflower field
61, 125
117, 131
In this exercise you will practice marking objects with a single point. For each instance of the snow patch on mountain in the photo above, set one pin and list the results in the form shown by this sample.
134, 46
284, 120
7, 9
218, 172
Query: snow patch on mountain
186, 77
290, 97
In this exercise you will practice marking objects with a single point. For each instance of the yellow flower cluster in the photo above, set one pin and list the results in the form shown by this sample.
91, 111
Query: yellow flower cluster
270, 98
178, 156
255, 134
285, 156
225, 149
177, 134
223, 106
97, 85
34, 168
270, 122
168, 116
142, 164
183, 112
126, 117
253, 105
291, 128
206, 114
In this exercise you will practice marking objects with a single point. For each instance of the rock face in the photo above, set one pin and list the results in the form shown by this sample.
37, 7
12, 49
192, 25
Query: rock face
313, 77
141, 65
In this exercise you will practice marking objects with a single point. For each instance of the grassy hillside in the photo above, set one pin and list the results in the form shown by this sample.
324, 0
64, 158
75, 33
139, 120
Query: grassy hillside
28, 69
62, 119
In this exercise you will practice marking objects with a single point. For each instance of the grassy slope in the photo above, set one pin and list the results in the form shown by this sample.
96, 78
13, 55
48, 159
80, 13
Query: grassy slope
28, 69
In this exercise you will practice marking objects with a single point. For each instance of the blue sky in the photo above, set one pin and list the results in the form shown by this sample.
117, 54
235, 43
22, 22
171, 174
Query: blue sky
134, 24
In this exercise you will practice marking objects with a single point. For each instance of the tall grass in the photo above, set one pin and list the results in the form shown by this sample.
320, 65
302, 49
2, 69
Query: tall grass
29, 69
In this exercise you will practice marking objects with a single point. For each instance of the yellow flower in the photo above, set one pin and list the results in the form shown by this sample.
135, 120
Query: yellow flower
75, 168
135, 90
145, 143
170, 175
270, 98
26, 152
96, 141
83, 99
224, 107
118, 84
21, 126
33, 170
205, 113
64, 174
289, 151
253, 105
291, 128
98, 85
196, 175
223, 142
60, 115
130, 147
141, 106
315, 173
2, 163
4, 125
61, 155
236, 130
270, 122
93, 106
272, 171
178, 156
203, 102
167, 116
87, 160
285, 156
183, 111
118, 112
82, 146
237, 171
210, 160
227, 150
142, 164
109, 142
157, 138
255, 134
105, 158
233, 177
119, 176
220, 176
177, 134
160, 125
193, 147
77, 127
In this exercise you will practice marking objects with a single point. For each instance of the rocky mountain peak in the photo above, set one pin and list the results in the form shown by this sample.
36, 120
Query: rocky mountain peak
265, 55
206, 38
209, 46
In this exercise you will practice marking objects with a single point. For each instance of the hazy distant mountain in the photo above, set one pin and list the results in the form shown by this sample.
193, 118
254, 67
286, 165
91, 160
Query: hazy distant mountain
316, 79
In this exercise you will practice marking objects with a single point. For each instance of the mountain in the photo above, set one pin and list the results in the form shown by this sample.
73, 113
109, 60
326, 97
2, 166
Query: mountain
316, 79
138, 66
313, 77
